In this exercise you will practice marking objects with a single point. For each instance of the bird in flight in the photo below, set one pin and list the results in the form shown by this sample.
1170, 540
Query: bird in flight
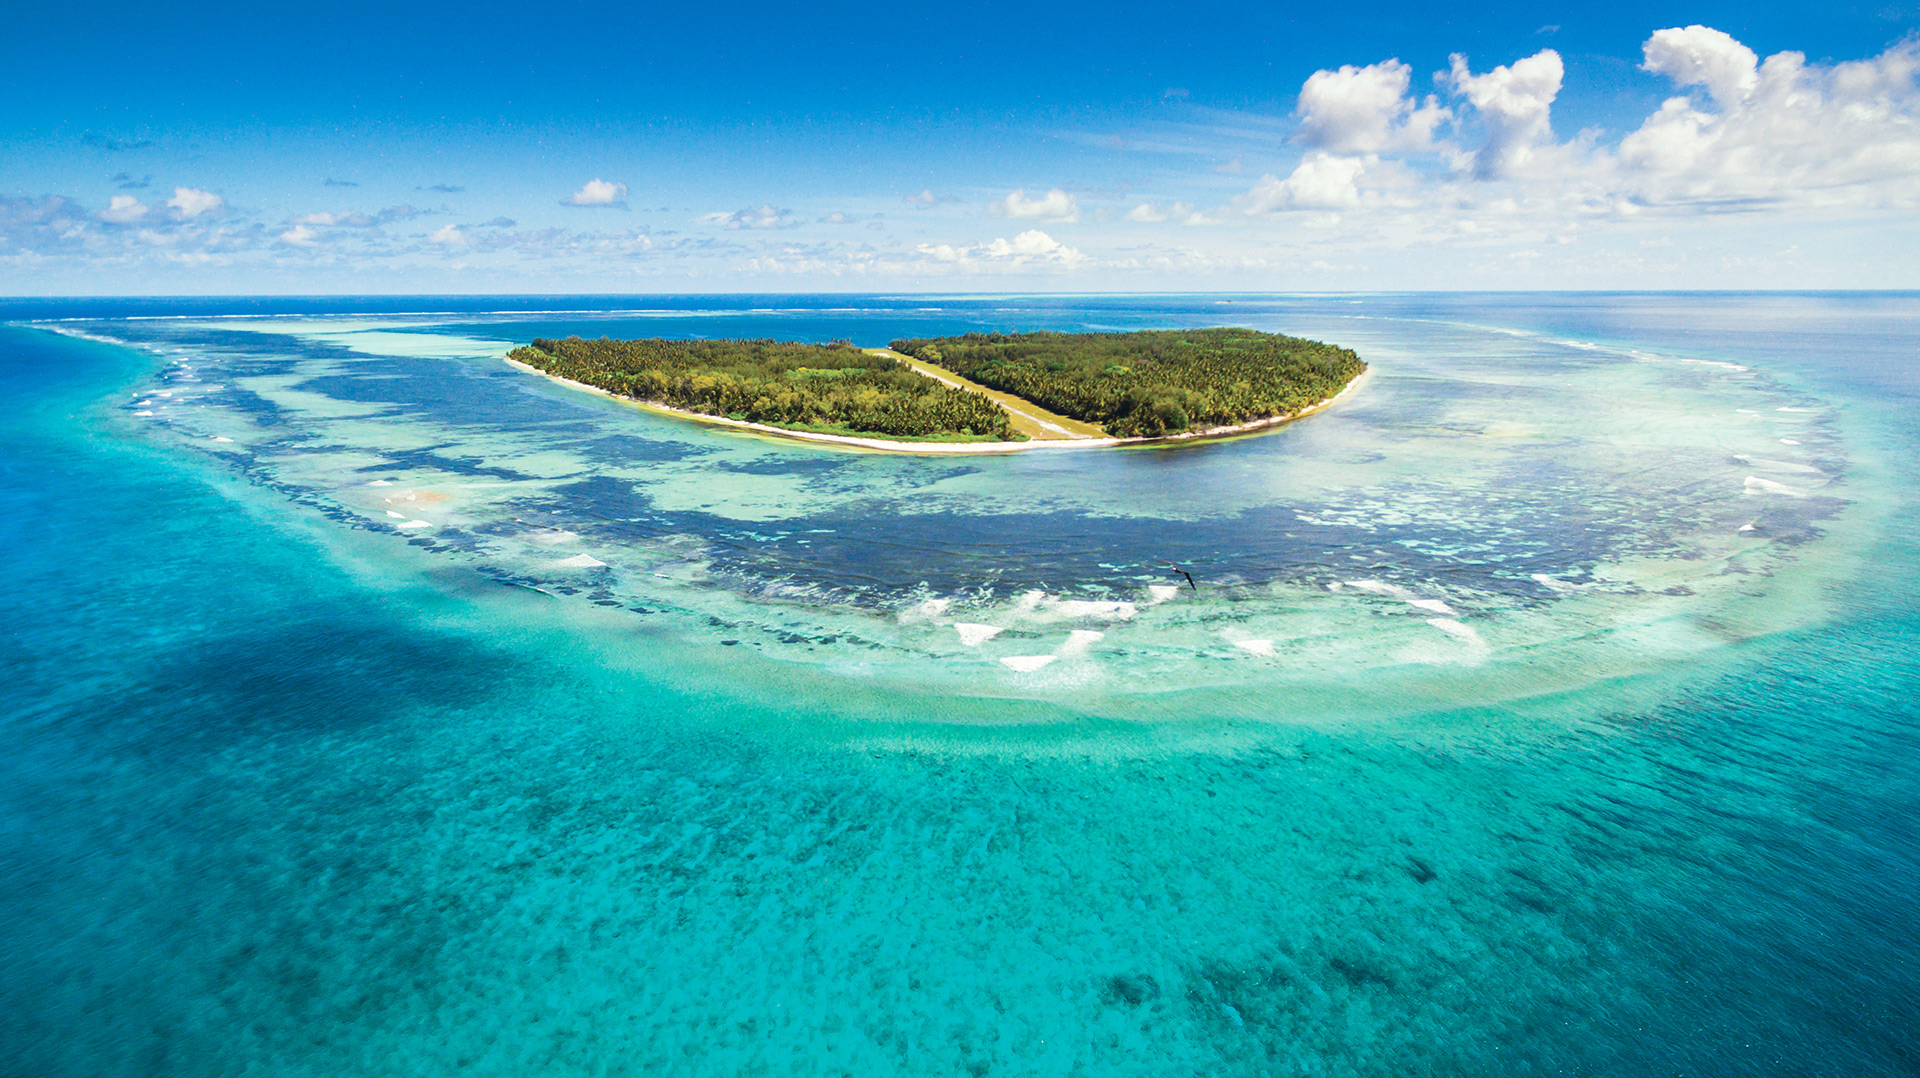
1182, 572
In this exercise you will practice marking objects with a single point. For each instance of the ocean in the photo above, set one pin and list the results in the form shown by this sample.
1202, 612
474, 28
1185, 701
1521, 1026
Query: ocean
1544, 707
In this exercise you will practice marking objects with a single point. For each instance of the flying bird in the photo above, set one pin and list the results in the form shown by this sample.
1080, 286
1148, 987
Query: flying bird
1184, 573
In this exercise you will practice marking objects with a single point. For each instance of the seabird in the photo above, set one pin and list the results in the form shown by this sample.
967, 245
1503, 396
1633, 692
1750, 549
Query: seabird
1182, 572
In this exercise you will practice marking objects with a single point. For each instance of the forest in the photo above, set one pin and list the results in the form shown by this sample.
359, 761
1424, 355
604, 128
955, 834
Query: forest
831, 388
1153, 383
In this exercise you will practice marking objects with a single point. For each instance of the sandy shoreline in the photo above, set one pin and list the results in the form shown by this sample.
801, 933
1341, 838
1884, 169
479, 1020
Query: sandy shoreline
945, 448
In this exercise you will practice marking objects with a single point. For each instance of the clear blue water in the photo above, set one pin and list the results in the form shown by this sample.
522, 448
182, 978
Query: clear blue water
1547, 707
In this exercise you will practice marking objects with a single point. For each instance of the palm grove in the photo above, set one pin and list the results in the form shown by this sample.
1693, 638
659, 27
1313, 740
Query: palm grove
835, 388
1150, 384
1134, 385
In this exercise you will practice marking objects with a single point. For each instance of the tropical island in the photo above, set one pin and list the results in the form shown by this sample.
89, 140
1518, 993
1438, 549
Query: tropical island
981, 392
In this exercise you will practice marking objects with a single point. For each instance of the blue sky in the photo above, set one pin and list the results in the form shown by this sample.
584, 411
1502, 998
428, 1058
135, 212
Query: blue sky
1060, 147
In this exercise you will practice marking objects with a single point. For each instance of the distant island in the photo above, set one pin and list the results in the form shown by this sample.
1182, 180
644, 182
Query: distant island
981, 392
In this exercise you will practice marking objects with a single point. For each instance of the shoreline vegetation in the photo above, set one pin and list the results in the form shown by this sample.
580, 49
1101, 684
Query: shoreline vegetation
980, 393
1152, 383
816, 388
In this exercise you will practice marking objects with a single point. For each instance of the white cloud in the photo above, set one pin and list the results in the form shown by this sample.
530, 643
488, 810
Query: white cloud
1782, 142
1322, 182
1028, 247
1152, 214
1055, 205
1780, 131
598, 193
1810, 170
191, 202
1513, 105
1702, 56
123, 210
1362, 110
1032, 243
764, 217
1753, 134
332, 220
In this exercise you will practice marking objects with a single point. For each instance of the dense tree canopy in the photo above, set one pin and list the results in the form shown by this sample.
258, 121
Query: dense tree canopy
1135, 385
823, 387
1152, 383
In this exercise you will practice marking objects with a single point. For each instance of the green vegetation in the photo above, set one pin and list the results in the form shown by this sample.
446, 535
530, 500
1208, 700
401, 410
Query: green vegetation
828, 388
1144, 385
1133, 385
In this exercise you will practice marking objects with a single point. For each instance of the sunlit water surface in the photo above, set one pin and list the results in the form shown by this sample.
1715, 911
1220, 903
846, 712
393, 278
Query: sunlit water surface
1545, 706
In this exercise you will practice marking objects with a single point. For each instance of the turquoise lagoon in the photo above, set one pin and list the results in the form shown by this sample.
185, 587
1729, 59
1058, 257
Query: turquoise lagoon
1544, 707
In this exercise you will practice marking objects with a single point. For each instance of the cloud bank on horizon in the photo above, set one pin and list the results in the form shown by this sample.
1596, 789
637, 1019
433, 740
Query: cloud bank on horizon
1740, 132
1770, 171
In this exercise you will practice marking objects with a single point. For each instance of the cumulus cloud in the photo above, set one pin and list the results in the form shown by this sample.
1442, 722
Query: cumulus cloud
1362, 110
123, 210
1380, 168
1029, 247
1702, 56
1055, 205
1777, 136
1152, 214
1032, 243
598, 193
1323, 181
764, 217
1512, 104
191, 202
1778, 131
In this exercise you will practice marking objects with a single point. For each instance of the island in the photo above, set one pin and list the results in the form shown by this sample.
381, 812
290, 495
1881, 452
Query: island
810, 388
980, 392
1153, 383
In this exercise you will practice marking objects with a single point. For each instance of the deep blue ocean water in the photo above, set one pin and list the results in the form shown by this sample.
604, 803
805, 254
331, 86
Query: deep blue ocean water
304, 776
